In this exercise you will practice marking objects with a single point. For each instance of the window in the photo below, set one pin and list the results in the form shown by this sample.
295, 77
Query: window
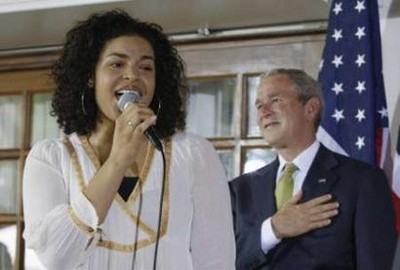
25, 92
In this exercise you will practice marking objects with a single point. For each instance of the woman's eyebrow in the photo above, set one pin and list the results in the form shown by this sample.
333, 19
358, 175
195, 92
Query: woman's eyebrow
124, 56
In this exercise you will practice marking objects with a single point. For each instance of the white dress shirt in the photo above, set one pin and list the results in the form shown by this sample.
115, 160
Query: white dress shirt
303, 162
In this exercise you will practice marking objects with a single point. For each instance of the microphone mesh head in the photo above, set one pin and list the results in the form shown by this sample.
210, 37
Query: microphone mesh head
126, 98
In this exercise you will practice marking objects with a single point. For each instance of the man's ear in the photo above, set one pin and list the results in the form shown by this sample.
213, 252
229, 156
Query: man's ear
313, 106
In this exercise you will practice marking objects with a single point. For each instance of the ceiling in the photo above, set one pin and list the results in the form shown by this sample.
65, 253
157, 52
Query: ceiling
47, 26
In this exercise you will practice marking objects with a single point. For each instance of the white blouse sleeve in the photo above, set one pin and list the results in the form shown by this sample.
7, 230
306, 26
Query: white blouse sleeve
212, 239
60, 232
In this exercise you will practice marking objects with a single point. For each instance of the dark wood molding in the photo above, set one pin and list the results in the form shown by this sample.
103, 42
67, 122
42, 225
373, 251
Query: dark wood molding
27, 62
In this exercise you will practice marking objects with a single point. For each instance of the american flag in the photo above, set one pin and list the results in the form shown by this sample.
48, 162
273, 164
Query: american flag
396, 178
355, 121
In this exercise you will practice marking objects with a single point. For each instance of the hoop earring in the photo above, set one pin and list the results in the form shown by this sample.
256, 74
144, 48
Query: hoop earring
159, 106
83, 103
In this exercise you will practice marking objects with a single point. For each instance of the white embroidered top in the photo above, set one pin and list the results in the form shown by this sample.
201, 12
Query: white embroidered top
61, 225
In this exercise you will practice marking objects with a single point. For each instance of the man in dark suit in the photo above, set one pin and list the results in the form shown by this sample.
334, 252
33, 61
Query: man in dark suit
338, 214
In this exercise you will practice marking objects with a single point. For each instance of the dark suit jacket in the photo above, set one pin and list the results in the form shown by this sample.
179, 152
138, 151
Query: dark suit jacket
361, 237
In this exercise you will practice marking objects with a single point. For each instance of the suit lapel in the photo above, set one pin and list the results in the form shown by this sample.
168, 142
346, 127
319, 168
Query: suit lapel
263, 190
320, 178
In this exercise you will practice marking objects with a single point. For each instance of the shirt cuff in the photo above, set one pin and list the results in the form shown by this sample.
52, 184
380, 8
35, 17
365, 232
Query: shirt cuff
268, 238
85, 212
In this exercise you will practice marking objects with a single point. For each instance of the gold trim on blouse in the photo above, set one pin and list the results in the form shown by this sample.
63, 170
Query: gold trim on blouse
79, 223
134, 196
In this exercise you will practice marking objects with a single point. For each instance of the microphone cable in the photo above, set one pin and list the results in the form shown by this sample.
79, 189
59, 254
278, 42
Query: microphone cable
160, 209
135, 248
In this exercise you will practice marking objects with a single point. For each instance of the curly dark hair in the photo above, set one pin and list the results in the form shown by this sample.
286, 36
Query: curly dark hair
76, 66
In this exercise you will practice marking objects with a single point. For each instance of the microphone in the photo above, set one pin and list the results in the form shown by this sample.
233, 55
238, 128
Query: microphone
151, 134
